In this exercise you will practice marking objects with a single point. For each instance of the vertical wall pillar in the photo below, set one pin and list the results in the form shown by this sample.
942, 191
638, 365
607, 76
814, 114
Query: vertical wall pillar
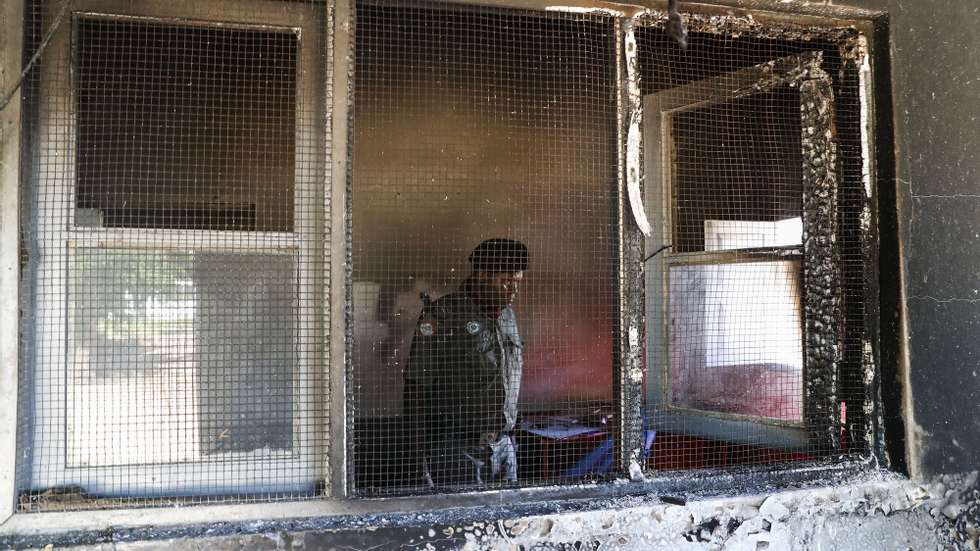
11, 44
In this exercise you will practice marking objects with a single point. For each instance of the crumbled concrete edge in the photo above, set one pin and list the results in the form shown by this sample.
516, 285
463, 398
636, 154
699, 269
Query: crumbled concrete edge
788, 520
954, 501
874, 514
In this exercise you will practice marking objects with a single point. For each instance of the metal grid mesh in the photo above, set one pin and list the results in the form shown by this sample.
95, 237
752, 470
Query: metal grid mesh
194, 104
472, 124
732, 375
177, 244
737, 173
177, 251
735, 342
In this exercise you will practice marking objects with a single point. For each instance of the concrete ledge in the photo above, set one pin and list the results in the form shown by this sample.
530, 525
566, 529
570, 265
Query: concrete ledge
872, 510
748, 487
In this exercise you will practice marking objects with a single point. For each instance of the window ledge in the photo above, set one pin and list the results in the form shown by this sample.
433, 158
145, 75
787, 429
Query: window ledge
103, 526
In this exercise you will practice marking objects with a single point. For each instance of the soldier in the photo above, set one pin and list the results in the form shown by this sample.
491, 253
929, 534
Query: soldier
463, 374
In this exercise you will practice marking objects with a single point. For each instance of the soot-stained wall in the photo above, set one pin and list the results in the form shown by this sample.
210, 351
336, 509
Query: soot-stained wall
471, 125
935, 90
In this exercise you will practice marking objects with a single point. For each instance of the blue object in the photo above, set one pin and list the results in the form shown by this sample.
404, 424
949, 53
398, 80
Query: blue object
600, 460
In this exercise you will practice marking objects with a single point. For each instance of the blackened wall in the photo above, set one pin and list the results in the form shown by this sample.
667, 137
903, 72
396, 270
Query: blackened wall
936, 97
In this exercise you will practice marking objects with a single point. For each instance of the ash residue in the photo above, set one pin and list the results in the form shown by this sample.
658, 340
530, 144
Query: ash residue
876, 510
822, 265
955, 504
736, 26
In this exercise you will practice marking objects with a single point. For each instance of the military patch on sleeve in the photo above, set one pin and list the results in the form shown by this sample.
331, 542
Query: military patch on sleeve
427, 328
473, 327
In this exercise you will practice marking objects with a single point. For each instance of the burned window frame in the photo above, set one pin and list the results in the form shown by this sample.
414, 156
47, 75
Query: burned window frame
854, 45
817, 254
822, 413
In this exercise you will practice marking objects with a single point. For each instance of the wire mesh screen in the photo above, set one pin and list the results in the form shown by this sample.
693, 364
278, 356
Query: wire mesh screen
177, 249
735, 327
177, 243
482, 363
225, 94
738, 174
734, 183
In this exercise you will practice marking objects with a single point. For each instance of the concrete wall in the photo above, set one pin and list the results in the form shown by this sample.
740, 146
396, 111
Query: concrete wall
11, 36
936, 86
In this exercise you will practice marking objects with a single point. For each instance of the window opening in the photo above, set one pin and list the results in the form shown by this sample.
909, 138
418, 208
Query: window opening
179, 349
473, 124
735, 179
162, 148
182, 252
734, 184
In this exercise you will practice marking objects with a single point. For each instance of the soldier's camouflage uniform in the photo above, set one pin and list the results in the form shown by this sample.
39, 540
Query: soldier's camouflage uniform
461, 387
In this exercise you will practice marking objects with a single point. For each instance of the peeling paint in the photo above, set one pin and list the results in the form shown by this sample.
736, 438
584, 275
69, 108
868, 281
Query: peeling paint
856, 52
633, 145
629, 371
864, 91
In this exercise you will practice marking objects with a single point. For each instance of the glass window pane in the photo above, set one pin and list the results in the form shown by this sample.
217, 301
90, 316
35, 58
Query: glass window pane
736, 338
179, 356
185, 127
721, 235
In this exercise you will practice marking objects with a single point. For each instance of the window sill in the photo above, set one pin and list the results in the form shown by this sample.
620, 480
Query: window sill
102, 526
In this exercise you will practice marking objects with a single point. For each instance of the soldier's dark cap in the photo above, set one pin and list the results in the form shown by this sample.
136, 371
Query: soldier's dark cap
499, 255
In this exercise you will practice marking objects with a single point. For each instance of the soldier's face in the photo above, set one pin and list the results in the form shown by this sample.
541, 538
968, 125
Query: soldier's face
500, 288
